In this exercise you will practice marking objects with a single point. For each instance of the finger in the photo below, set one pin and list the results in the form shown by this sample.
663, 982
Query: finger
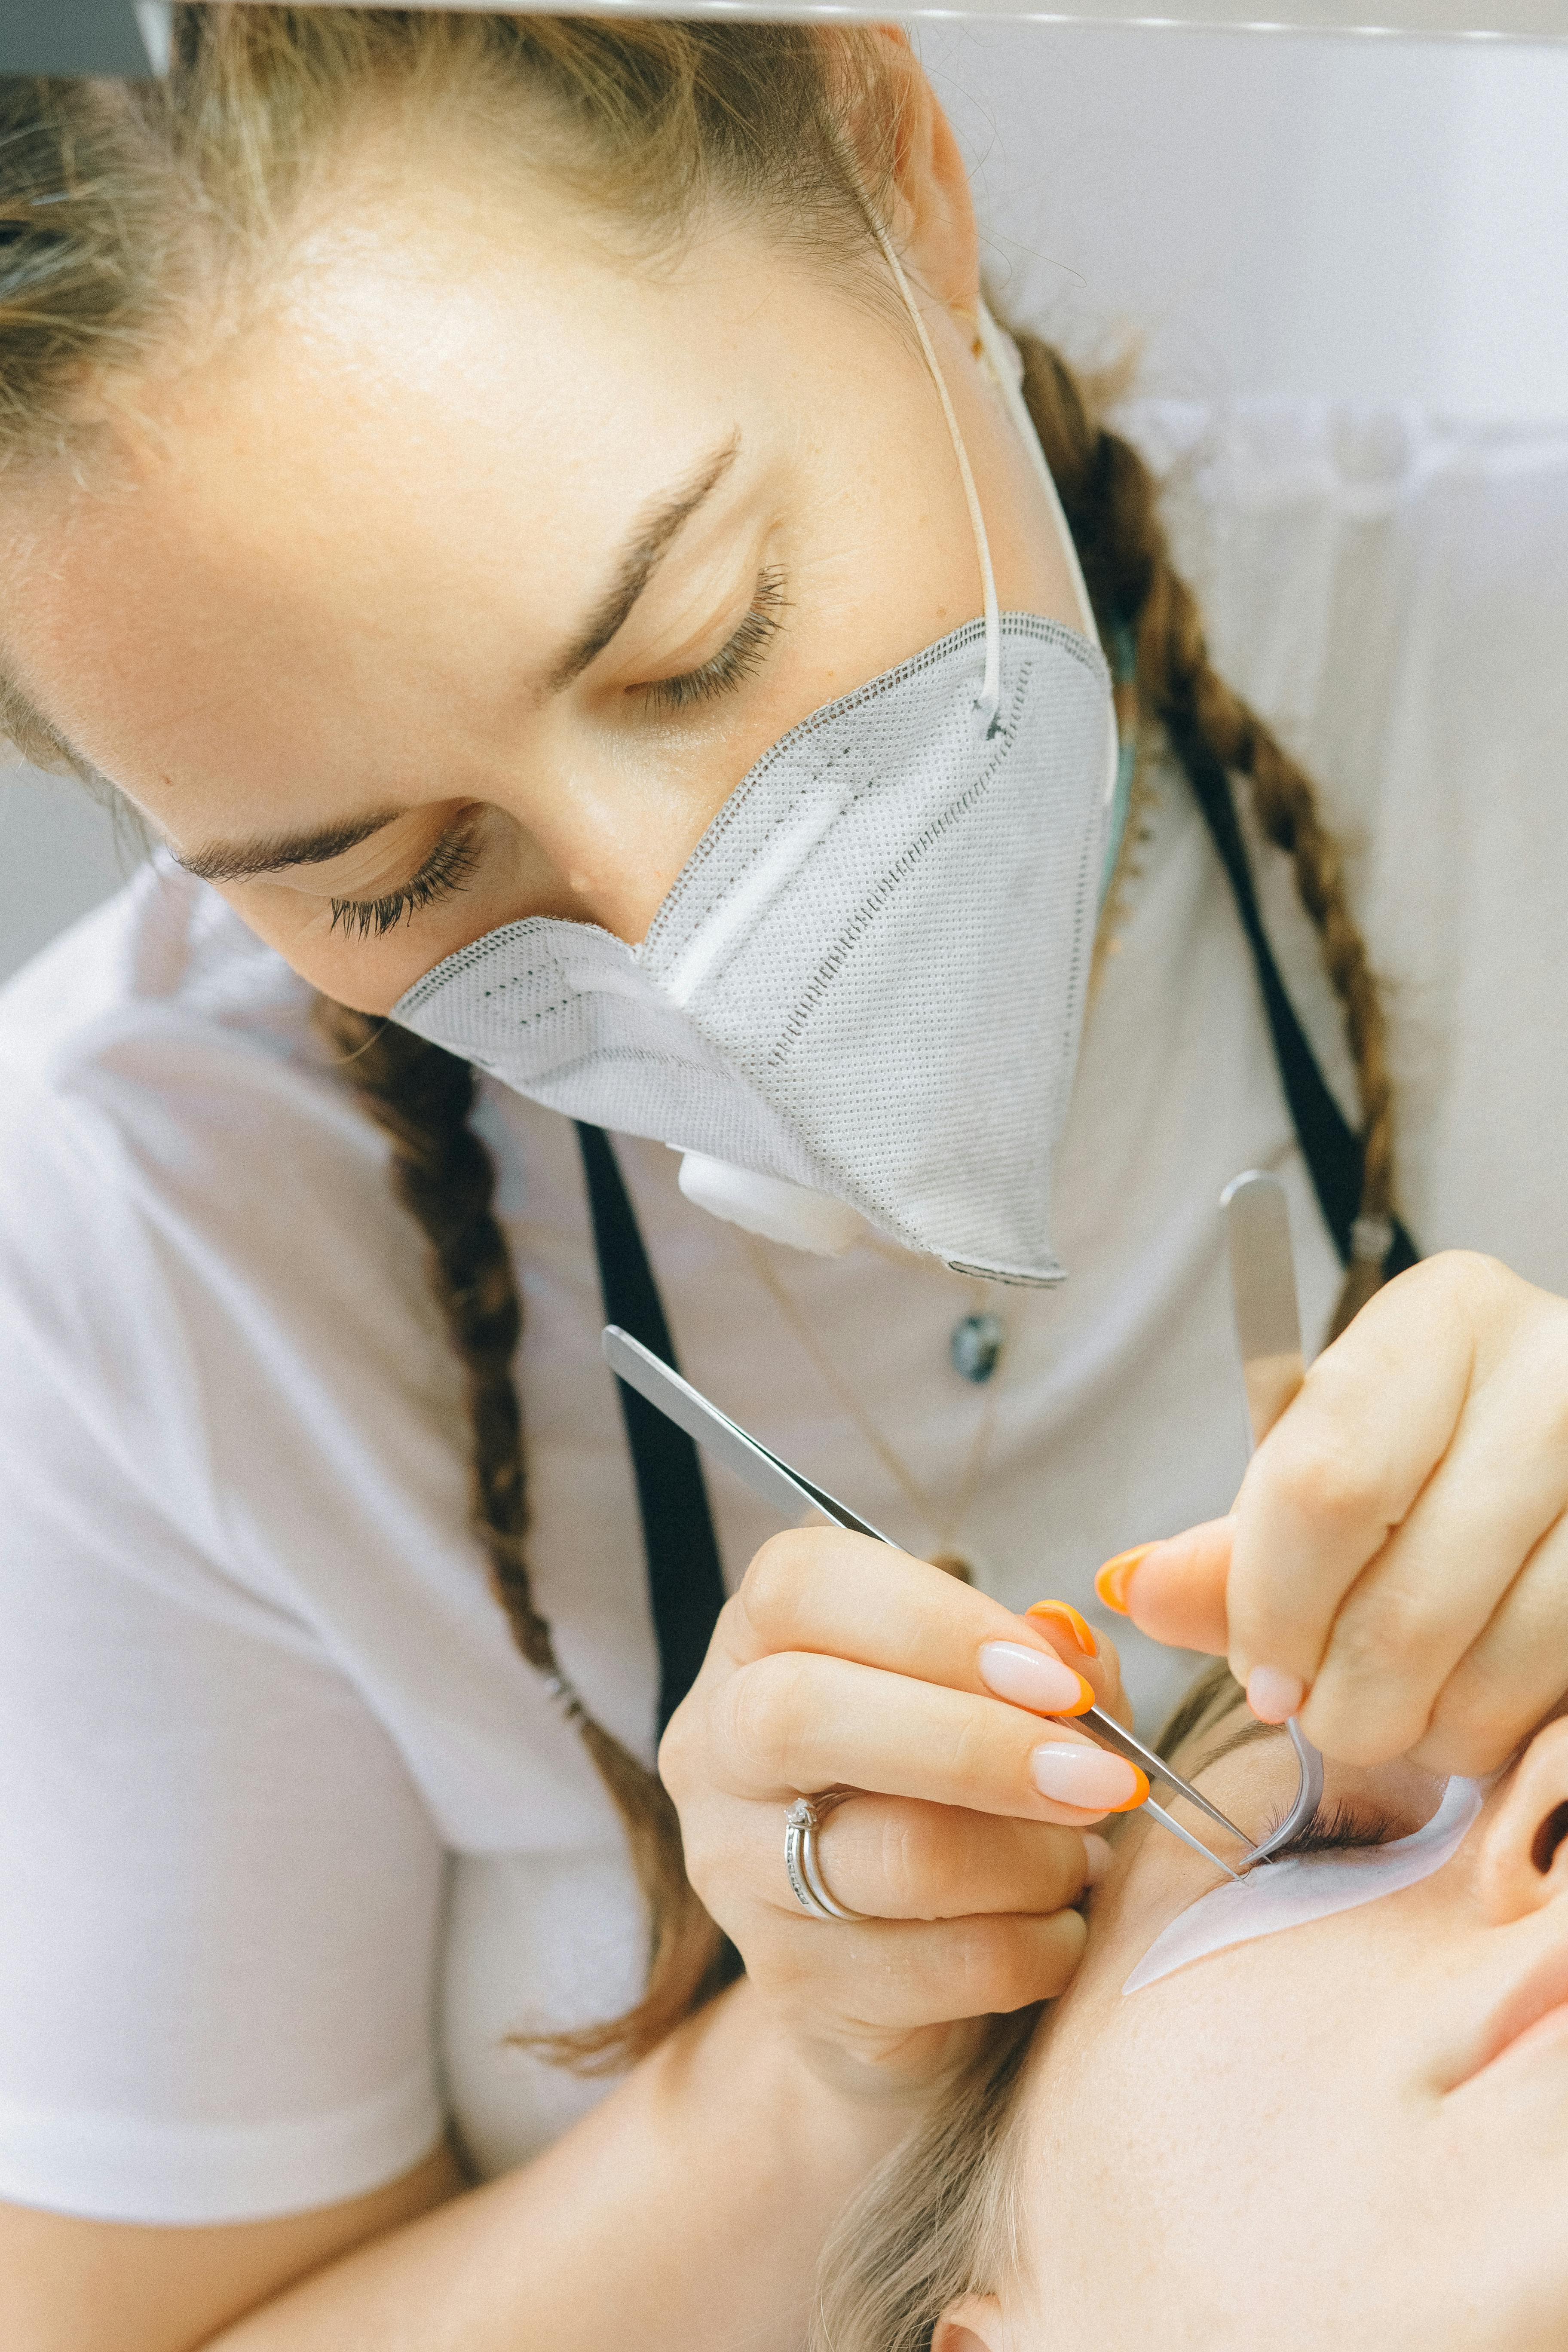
1342, 1467
906, 1973
1174, 1591
891, 1858
898, 1860
793, 1722
1513, 1674
1427, 1597
1076, 1643
846, 1596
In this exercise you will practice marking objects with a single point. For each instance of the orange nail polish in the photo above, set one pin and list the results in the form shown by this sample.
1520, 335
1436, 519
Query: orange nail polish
1138, 1796
1082, 1704
1077, 1628
1111, 1581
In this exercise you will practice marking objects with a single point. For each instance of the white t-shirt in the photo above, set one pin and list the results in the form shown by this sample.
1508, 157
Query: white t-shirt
292, 1837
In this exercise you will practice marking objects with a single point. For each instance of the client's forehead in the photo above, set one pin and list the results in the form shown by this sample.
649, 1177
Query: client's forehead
1222, 1736
1212, 1721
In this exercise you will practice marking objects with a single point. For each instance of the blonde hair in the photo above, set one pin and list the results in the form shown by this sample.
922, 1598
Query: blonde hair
939, 2218
127, 216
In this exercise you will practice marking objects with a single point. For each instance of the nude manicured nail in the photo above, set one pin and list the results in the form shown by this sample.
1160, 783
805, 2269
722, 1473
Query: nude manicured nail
1273, 1696
1089, 1777
1097, 1857
1077, 1628
1033, 1678
1111, 1581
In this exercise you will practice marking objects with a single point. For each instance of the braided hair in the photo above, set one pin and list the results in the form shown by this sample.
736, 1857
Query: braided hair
422, 1097
1111, 503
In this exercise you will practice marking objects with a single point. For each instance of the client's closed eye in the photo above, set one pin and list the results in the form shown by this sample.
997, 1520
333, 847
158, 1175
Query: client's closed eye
734, 662
447, 870
1339, 1825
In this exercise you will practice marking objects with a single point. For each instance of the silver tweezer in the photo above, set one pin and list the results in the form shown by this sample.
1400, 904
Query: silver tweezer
787, 1490
1273, 1365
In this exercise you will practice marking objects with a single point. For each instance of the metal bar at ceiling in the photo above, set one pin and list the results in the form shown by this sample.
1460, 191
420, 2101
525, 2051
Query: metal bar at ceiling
131, 37
1529, 20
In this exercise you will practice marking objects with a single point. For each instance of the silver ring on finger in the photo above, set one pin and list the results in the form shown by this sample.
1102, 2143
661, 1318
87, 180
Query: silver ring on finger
802, 1861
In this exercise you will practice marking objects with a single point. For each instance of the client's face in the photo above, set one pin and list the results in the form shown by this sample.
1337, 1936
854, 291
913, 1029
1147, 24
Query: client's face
1353, 2132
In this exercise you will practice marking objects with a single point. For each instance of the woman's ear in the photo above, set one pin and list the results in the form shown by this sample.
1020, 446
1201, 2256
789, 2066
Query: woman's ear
974, 2324
932, 226
1524, 1853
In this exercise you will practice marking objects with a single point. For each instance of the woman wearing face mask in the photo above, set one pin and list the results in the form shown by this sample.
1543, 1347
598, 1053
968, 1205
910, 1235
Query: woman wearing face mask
539, 519
1352, 2132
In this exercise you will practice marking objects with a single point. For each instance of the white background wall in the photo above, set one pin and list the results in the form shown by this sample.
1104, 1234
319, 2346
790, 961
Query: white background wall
1358, 219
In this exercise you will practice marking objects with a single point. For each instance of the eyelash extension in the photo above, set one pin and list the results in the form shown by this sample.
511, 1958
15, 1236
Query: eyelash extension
1337, 1828
734, 662
449, 867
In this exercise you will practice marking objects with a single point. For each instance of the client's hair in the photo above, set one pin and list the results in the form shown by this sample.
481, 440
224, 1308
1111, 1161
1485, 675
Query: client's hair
939, 2220
132, 216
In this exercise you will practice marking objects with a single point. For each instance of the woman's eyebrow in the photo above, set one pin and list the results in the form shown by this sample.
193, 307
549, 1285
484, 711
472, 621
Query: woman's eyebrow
655, 529
640, 559
240, 861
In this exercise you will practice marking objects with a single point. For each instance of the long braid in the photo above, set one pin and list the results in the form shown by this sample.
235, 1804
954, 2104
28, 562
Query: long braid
1111, 502
421, 1098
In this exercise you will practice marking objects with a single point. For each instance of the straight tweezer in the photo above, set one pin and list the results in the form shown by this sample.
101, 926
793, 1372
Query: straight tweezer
787, 1490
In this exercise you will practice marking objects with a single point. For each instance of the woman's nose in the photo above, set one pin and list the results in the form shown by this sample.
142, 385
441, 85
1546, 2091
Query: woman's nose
1524, 1855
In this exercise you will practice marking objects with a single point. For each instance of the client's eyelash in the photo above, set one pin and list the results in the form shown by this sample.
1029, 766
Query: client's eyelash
449, 867
733, 662
1335, 1828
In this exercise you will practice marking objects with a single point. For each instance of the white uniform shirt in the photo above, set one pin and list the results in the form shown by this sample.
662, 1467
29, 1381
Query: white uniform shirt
292, 1838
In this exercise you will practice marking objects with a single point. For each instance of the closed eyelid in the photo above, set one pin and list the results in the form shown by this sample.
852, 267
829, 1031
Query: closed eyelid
1340, 1820
1344, 1818
725, 583
740, 656
448, 867
451, 834
716, 623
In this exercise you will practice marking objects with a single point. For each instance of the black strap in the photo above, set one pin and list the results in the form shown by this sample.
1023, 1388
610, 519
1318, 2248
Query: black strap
1330, 1145
685, 1583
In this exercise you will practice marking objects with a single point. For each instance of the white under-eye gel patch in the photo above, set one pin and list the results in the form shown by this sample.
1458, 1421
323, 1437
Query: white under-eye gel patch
1278, 1894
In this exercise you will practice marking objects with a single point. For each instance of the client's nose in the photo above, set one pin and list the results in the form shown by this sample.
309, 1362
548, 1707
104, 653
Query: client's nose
1524, 1854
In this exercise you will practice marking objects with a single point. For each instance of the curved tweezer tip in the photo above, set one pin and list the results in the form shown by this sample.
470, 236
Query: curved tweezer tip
1308, 1796
1269, 1336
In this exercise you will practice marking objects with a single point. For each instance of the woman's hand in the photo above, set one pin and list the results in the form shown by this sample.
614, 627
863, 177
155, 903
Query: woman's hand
842, 1663
1398, 1551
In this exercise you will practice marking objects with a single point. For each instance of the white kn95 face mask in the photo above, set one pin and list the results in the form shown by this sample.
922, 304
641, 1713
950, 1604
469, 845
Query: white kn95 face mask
863, 995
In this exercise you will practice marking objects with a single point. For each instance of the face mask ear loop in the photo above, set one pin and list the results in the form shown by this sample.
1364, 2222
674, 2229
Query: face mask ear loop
1005, 363
990, 701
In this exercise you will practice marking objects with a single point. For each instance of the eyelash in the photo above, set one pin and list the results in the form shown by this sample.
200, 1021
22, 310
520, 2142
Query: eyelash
735, 662
1335, 1828
446, 871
